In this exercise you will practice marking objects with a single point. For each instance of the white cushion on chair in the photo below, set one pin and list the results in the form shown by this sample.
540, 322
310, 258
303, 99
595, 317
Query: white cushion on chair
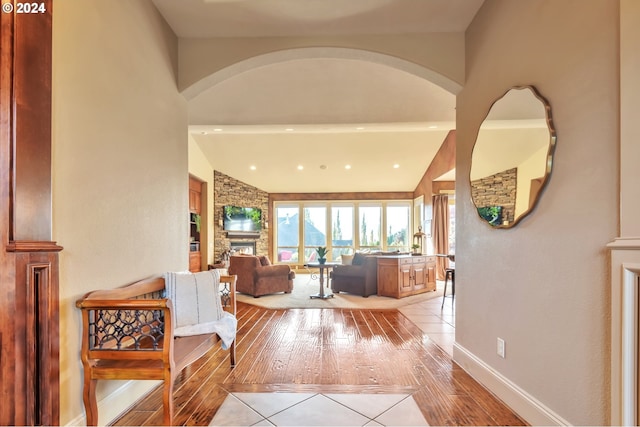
195, 297
197, 308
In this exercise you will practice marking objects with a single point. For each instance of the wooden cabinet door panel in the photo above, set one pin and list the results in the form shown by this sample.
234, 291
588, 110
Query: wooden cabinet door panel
419, 273
194, 262
195, 195
195, 201
387, 279
406, 279
192, 201
431, 273
419, 276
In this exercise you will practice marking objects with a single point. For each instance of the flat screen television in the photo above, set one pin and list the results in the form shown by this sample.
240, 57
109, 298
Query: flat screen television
238, 218
491, 214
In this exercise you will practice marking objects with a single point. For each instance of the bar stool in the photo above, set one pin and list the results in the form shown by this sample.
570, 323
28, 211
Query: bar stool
449, 273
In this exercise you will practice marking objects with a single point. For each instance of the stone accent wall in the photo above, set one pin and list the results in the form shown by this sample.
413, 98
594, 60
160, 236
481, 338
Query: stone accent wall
497, 190
230, 191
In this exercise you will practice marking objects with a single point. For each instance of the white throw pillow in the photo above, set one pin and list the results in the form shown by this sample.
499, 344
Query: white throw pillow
346, 259
195, 297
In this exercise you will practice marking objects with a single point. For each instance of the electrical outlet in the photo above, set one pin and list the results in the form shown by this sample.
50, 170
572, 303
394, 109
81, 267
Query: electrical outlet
501, 348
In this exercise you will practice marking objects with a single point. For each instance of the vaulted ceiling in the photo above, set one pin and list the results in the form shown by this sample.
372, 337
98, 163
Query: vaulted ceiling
320, 114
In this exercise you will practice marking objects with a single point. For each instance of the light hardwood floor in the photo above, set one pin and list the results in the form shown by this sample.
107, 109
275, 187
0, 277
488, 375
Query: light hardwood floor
328, 351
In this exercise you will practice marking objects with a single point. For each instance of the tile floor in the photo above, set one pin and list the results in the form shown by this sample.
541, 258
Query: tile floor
438, 323
313, 409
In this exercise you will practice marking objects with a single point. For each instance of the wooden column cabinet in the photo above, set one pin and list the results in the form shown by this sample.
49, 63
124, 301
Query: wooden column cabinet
195, 195
401, 276
29, 297
195, 211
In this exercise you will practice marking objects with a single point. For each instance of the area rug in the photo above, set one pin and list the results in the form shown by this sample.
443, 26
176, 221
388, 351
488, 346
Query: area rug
305, 285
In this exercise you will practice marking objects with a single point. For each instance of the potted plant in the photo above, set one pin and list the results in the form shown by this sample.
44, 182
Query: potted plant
196, 220
322, 254
415, 248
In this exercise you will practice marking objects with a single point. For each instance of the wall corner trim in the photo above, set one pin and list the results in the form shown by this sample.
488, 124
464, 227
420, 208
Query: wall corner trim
522, 403
119, 401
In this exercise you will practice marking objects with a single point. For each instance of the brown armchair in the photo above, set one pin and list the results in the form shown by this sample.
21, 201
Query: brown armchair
257, 276
359, 278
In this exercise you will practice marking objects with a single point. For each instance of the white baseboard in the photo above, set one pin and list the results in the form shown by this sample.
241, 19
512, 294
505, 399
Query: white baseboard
114, 404
521, 402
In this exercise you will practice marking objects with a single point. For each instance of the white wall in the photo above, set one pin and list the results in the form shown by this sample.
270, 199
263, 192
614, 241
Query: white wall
542, 286
120, 177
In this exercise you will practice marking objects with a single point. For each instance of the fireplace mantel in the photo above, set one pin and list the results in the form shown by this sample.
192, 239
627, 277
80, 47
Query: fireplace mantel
243, 235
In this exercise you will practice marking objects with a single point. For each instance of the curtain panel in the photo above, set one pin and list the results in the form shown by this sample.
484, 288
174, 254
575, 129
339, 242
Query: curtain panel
440, 232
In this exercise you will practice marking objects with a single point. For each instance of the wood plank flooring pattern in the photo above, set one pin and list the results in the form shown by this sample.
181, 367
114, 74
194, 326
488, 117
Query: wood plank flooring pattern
328, 351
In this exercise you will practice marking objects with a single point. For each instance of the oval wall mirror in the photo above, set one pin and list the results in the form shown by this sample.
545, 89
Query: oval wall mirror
512, 157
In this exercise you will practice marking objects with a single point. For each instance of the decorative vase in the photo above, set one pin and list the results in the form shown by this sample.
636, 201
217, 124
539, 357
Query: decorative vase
322, 260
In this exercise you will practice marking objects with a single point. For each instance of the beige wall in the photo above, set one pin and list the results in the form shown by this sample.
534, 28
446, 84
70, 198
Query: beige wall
629, 123
436, 55
120, 178
542, 286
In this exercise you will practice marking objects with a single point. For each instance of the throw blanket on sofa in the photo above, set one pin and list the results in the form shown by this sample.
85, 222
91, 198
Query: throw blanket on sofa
197, 308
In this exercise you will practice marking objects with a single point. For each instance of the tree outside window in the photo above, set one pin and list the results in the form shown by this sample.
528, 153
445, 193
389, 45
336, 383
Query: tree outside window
341, 231
370, 227
398, 233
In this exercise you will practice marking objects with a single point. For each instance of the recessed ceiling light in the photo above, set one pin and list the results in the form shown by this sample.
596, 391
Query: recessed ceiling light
289, 129
433, 127
203, 133
300, 167
252, 167
347, 166
359, 128
396, 166
217, 130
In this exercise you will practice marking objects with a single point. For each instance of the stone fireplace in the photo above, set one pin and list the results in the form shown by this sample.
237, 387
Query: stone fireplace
230, 191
